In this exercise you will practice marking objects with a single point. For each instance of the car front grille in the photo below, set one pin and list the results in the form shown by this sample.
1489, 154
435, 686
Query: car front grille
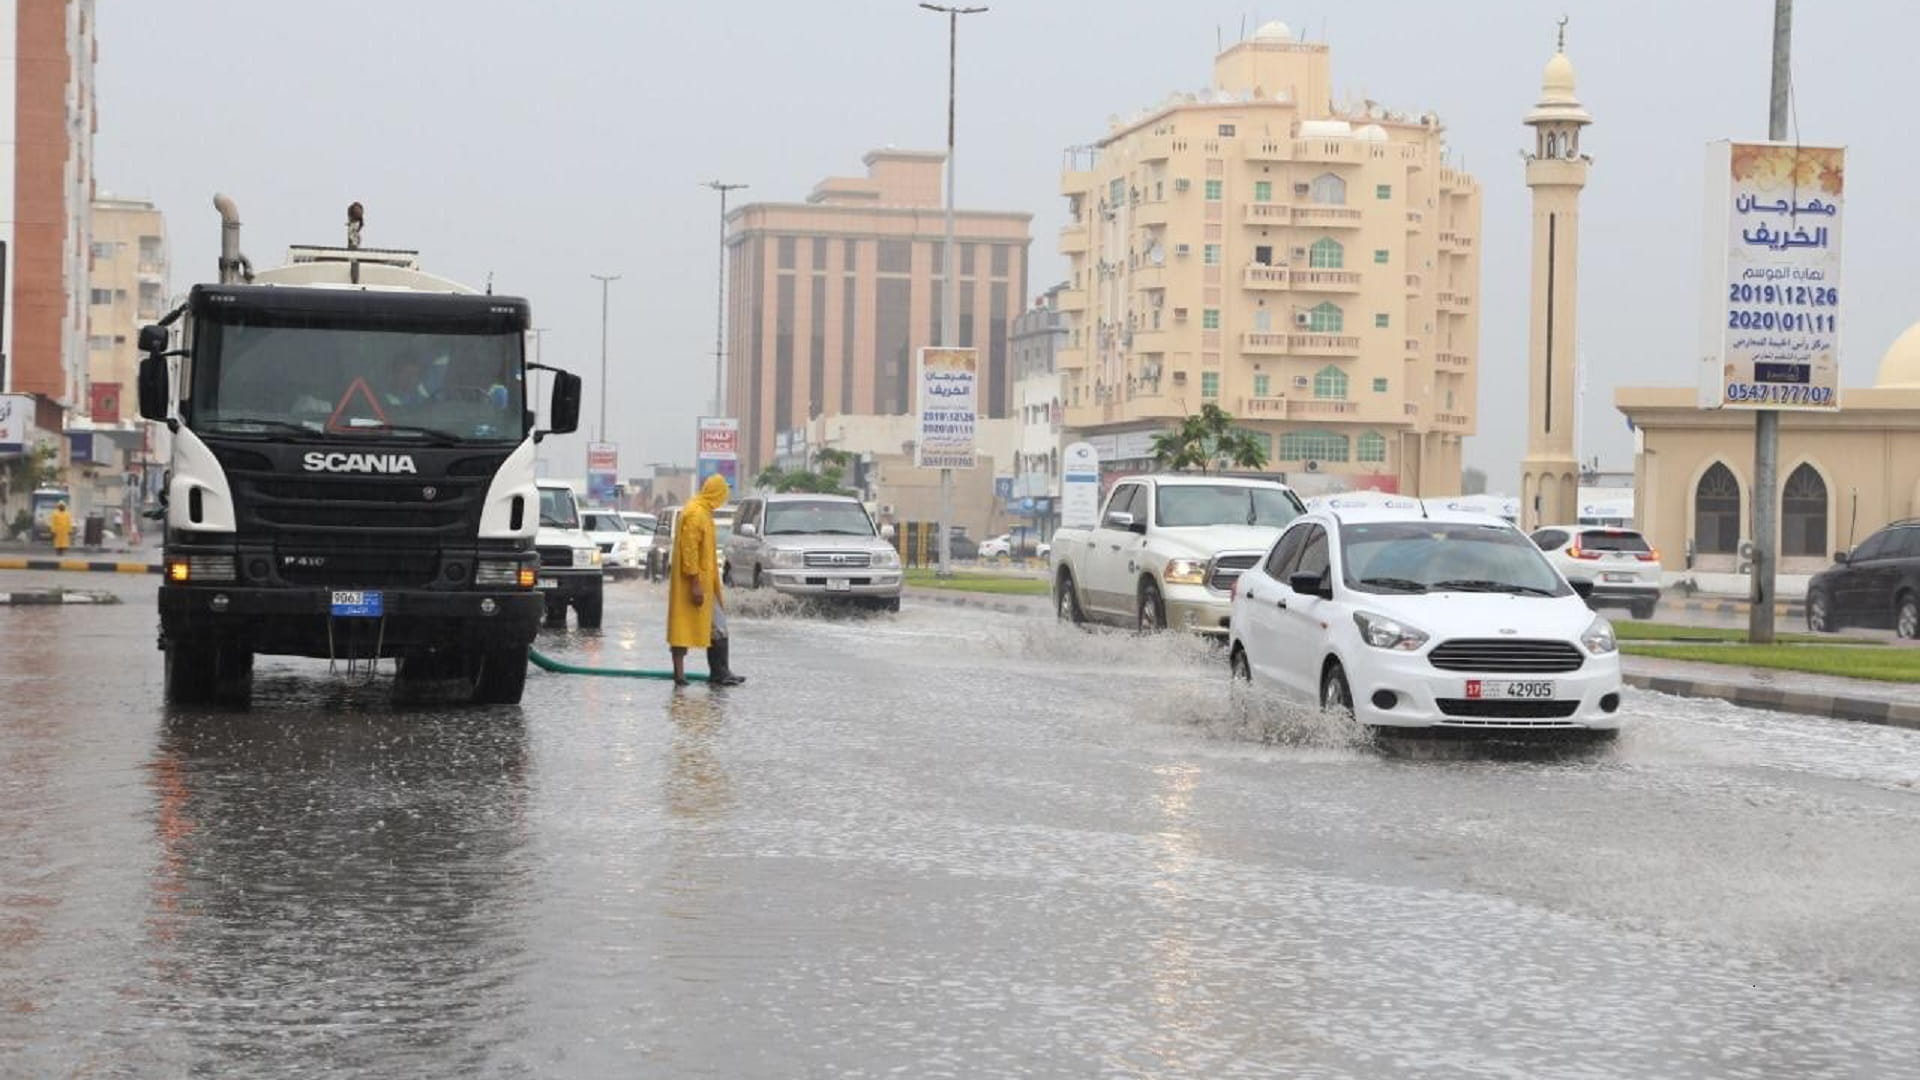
1499, 654
1226, 569
838, 560
1502, 709
561, 557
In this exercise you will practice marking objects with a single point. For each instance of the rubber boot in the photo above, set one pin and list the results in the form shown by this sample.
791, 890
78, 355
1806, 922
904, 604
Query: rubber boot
719, 673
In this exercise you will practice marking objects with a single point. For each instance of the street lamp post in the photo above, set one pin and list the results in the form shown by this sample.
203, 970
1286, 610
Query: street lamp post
950, 287
1766, 422
604, 280
720, 302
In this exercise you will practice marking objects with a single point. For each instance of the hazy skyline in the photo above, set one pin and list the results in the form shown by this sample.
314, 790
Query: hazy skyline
540, 146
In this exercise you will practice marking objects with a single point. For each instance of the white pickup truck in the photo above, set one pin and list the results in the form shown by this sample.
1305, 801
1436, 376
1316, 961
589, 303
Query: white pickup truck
1166, 551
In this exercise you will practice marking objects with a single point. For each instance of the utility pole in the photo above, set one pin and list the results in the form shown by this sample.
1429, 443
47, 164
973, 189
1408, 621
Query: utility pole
720, 301
950, 266
1766, 422
604, 280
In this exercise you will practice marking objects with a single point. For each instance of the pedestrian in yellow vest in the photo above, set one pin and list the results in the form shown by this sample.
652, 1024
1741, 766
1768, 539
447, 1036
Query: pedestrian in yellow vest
696, 618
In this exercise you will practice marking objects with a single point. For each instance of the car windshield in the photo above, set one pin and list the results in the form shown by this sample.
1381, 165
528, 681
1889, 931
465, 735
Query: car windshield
557, 509
362, 384
818, 516
1430, 556
1196, 505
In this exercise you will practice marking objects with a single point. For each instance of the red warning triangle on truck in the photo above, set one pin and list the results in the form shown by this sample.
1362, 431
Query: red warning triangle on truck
344, 421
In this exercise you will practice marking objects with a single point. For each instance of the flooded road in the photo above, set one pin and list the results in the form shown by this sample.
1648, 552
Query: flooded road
947, 843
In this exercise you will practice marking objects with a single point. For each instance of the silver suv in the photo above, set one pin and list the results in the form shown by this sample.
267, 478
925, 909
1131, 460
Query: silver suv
813, 545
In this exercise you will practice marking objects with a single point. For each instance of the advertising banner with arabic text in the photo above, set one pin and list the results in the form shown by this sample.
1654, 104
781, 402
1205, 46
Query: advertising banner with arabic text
948, 381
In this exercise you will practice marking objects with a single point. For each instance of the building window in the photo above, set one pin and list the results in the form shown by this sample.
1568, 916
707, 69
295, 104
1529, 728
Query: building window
1380, 386
1326, 254
1210, 255
101, 296
787, 245
1213, 190
1001, 260
1716, 512
966, 259
896, 256
1380, 256
1263, 191
1313, 446
1381, 320
1226, 129
1329, 189
1372, 447
1209, 384
100, 341
1383, 191
1262, 385
1803, 514
819, 245
103, 249
1326, 318
1116, 191
1210, 319
1330, 382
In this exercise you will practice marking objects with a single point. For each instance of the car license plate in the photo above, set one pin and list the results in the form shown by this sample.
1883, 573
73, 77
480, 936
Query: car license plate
355, 604
1501, 689
839, 584
1616, 577
549, 583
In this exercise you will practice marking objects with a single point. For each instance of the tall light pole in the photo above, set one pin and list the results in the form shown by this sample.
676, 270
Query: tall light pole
604, 280
1766, 422
950, 290
534, 396
720, 301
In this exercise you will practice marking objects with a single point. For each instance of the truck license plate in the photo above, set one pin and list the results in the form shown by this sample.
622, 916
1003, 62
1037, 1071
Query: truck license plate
839, 584
549, 583
1495, 689
355, 604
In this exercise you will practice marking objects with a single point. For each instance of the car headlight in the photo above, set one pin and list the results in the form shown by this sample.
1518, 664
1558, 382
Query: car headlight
886, 557
1598, 637
1185, 572
787, 558
1384, 633
586, 556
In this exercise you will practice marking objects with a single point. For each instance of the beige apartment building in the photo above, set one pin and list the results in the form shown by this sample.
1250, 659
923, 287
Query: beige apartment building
1311, 267
830, 299
127, 289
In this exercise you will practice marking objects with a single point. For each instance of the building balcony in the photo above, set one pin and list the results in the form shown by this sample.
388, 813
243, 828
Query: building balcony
1077, 183
1413, 346
1149, 277
1267, 213
1264, 344
1267, 150
1073, 240
1413, 285
1150, 212
1327, 280
1269, 407
1069, 358
1072, 300
1453, 301
1265, 277
1455, 241
1145, 340
1327, 217
1453, 361
1455, 421
1329, 150
1323, 344
1153, 148
1320, 408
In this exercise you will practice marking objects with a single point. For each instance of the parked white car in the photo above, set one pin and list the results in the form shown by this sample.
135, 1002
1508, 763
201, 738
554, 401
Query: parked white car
621, 553
1409, 615
997, 547
1624, 568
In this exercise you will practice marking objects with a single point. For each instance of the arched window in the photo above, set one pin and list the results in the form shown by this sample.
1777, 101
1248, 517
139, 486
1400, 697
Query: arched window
1803, 514
1372, 447
1313, 446
1326, 254
1328, 188
1716, 512
1330, 382
1326, 318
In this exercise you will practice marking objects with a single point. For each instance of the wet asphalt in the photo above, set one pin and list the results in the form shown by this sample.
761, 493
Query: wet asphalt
944, 843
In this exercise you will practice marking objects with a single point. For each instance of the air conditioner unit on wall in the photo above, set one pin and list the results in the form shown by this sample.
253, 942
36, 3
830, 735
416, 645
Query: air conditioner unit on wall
1182, 183
1312, 466
1301, 318
1183, 249
1301, 381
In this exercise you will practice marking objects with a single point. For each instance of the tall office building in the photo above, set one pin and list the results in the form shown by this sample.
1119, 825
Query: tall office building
829, 299
1308, 265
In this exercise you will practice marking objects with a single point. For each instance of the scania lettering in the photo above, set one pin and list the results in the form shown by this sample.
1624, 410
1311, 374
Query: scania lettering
350, 473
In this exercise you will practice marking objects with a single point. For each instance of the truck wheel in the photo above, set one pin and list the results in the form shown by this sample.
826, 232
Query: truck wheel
1066, 605
586, 608
189, 673
1153, 612
502, 676
233, 676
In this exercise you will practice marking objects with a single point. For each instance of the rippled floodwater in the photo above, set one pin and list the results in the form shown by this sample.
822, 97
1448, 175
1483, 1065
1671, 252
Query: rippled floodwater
949, 843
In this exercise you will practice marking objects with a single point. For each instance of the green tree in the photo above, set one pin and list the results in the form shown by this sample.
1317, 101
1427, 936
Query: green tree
1206, 440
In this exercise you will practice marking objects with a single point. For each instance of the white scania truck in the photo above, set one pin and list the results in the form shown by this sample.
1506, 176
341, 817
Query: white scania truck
352, 472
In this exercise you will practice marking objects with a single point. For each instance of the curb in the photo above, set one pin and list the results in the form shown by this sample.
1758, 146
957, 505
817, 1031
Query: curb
78, 565
54, 597
1788, 610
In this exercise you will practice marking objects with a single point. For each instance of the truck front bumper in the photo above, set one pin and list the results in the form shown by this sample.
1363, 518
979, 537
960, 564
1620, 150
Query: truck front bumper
298, 621
1197, 609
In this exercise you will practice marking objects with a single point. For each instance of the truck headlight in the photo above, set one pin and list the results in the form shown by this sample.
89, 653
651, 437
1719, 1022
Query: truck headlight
500, 572
886, 558
786, 558
1384, 633
1598, 637
586, 556
1186, 572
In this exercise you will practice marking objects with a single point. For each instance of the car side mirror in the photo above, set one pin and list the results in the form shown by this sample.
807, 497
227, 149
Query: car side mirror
563, 415
1307, 583
748, 529
1843, 557
1582, 587
152, 381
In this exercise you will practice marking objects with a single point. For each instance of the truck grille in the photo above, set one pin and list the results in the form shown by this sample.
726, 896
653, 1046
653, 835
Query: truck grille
1226, 569
561, 557
1498, 654
838, 560
382, 565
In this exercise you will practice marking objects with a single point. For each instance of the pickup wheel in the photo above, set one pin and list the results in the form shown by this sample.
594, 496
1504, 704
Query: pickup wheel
1066, 605
1242, 670
1153, 610
586, 608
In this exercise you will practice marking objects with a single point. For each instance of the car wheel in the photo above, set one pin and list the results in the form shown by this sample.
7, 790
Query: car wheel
1335, 695
1242, 670
1906, 622
1153, 612
1642, 609
587, 610
1820, 618
758, 580
1066, 605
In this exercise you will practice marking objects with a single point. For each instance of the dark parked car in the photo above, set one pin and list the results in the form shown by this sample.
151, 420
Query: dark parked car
1876, 584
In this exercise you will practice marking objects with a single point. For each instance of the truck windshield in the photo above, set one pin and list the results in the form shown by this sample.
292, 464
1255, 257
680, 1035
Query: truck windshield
373, 384
824, 516
1190, 505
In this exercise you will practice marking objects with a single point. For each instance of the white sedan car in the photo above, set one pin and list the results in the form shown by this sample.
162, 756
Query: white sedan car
1409, 616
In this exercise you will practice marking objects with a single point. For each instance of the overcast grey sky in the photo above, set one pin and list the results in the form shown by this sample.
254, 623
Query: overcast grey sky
542, 143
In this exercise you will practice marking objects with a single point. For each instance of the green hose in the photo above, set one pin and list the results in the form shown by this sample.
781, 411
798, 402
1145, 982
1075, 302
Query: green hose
548, 663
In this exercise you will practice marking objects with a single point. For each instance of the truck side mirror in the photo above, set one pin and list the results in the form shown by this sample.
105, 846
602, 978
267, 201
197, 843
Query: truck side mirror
153, 380
153, 338
564, 414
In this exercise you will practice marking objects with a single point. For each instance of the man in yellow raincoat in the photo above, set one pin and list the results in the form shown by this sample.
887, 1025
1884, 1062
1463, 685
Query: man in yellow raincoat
695, 617
60, 523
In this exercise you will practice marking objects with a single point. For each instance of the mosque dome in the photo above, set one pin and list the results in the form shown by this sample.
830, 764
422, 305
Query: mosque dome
1274, 32
1900, 364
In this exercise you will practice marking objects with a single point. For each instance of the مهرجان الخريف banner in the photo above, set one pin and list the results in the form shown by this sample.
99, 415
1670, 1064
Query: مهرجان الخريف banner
948, 381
